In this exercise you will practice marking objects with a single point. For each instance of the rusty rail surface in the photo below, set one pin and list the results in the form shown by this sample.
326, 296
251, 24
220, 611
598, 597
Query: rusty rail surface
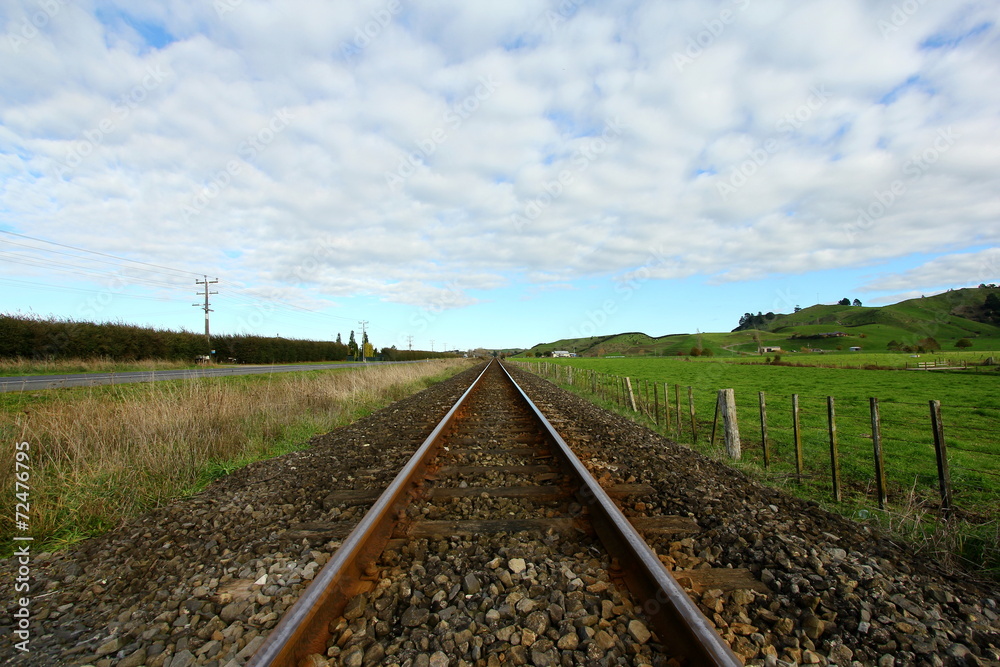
677, 620
304, 628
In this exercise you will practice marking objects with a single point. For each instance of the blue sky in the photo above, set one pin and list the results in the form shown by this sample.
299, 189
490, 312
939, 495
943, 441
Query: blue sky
492, 174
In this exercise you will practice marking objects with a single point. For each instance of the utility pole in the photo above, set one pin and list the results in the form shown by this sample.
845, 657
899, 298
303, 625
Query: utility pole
409, 342
432, 344
364, 340
206, 282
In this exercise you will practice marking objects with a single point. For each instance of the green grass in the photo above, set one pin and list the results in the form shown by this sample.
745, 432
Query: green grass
970, 409
99, 455
947, 317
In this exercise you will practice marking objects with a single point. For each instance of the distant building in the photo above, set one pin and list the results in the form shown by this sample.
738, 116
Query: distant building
560, 353
765, 350
855, 349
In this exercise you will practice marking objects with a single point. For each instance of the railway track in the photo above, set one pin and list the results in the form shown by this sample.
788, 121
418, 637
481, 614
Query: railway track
495, 545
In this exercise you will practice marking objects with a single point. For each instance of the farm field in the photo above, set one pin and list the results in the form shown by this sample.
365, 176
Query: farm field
101, 454
970, 404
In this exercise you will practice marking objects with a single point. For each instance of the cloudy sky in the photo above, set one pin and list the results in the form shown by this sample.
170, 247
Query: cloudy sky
492, 173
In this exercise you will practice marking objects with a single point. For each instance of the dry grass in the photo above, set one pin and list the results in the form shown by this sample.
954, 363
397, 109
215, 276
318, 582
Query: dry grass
23, 366
102, 454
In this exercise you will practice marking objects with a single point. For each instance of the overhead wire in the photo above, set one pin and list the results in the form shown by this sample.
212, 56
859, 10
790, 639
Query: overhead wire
248, 297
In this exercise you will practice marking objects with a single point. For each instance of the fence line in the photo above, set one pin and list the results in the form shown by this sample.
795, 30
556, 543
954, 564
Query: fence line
844, 430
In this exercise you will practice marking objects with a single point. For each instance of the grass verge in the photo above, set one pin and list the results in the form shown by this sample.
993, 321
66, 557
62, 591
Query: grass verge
967, 540
22, 366
100, 455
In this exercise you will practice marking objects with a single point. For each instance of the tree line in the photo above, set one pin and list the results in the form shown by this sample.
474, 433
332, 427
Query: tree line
32, 337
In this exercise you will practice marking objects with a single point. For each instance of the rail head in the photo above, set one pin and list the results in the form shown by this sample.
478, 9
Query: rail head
303, 629
672, 612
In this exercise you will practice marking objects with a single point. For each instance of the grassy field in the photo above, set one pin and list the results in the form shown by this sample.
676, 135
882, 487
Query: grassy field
22, 366
970, 409
948, 318
99, 455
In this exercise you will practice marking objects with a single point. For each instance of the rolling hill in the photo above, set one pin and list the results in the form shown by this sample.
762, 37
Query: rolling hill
946, 317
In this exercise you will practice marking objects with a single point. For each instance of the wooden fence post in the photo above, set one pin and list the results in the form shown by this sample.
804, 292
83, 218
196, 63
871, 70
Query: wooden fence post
727, 399
763, 431
677, 408
715, 417
694, 426
656, 403
877, 446
667, 423
797, 433
941, 453
834, 457
631, 396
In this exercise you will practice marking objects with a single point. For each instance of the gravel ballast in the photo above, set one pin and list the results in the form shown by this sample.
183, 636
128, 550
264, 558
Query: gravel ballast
202, 580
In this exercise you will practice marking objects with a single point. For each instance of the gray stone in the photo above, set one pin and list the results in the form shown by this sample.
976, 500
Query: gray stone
415, 616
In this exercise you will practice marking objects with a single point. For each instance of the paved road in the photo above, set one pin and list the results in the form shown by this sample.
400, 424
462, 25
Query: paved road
33, 382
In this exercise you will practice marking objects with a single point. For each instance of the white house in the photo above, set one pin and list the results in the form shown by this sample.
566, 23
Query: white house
560, 353
765, 350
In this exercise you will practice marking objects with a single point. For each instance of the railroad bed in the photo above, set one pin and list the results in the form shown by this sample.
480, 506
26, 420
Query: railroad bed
482, 531
204, 580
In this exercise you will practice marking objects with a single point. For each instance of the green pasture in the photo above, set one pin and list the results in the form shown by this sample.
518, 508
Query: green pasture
970, 408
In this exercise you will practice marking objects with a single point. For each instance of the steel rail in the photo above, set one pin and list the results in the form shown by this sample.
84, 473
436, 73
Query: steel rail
304, 628
678, 621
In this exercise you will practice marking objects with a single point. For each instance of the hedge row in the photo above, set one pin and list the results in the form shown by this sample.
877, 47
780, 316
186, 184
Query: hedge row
37, 338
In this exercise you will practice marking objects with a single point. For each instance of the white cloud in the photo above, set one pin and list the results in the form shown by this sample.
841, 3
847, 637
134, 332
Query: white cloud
807, 170
950, 271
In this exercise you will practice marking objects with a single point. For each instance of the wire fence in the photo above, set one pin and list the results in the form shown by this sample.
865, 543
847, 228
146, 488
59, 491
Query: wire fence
856, 450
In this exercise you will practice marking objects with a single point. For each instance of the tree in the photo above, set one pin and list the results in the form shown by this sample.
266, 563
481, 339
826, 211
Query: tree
695, 352
963, 343
928, 344
798, 308
844, 302
992, 306
895, 345
857, 302
352, 345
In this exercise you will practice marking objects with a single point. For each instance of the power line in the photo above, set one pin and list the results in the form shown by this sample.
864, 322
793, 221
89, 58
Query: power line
79, 289
364, 339
234, 291
94, 252
206, 282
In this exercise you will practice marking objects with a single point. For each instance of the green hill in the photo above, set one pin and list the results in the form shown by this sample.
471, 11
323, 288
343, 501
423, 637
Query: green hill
947, 318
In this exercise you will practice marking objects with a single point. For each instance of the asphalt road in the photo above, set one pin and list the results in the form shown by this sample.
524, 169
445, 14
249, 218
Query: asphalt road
35, 382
